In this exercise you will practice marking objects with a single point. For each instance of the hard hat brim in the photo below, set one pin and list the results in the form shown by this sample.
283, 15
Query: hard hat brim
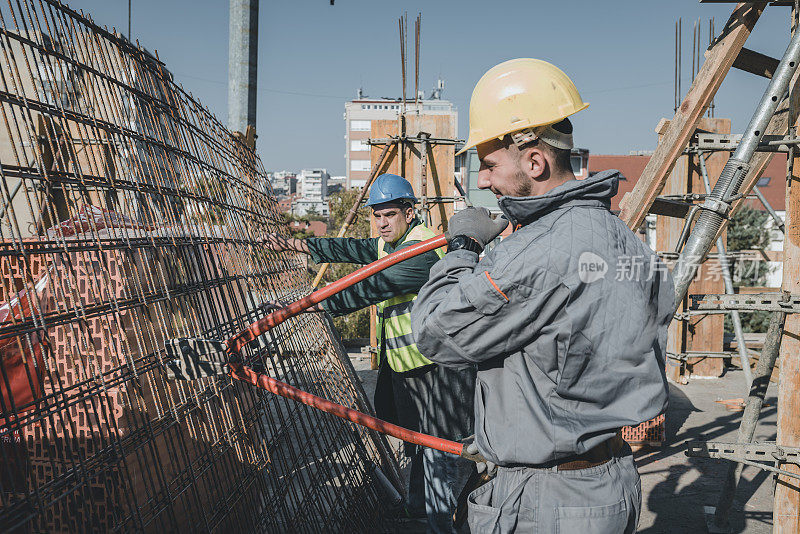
475, 142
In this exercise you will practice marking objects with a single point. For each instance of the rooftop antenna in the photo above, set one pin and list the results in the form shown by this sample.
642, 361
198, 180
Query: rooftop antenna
437, 91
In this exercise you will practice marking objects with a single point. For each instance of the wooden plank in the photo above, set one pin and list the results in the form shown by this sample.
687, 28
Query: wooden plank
407, 163
755, 63
636, 204
441, 162
786, 504
754, 290
705, 332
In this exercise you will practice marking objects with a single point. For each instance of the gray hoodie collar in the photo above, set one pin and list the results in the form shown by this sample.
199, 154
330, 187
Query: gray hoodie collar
596, 190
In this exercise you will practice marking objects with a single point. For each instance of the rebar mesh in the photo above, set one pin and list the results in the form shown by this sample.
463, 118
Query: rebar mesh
129, 215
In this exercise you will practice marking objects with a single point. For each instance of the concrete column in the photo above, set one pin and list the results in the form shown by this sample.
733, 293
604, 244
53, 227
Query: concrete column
242, 64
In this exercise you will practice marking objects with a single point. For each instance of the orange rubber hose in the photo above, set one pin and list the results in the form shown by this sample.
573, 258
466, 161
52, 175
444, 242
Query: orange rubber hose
275, 318
245, 374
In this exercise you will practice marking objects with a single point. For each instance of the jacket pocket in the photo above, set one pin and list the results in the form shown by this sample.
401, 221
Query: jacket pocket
608, 519
482, 517
484, 294
487, 519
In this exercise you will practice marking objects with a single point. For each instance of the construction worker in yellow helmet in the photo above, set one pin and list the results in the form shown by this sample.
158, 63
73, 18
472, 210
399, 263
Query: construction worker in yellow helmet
569, 344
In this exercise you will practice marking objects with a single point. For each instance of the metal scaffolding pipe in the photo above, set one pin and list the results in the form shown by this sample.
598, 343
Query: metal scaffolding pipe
774, 214
242, 64
716, 207
726, 277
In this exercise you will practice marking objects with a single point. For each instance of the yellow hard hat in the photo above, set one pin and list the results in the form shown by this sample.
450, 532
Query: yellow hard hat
518, 94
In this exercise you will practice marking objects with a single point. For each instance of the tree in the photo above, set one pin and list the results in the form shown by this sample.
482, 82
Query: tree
747, 231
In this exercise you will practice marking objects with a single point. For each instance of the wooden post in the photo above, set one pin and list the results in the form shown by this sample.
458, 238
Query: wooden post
702, 332
439, 170
668, 229
705, 333
786, 504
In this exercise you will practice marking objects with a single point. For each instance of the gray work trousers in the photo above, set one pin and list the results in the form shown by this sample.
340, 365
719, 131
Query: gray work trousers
599, 500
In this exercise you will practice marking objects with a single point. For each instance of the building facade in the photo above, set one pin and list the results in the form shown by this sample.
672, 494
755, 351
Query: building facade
312, 187
283, 183
358, 117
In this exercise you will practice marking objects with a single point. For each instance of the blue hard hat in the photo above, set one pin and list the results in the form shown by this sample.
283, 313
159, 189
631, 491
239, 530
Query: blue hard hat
388, 188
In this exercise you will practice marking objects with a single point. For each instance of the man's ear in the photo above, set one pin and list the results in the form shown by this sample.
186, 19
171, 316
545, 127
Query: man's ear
409, 214
534, 163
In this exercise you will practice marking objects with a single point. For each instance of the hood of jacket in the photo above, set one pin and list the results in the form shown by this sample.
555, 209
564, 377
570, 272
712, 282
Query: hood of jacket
595, 190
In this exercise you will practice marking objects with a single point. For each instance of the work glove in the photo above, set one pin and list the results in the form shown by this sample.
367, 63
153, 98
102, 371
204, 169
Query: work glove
471, 448
477, 224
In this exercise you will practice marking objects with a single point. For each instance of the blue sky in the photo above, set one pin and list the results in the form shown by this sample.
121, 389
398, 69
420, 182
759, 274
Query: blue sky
314, 56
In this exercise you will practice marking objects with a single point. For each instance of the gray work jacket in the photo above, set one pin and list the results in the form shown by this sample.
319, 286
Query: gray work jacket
566, 318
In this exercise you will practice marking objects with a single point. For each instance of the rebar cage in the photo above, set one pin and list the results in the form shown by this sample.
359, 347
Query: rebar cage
130, 215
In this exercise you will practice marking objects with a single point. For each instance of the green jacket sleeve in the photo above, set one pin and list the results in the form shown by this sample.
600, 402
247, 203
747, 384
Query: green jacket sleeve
405, 277
342, 249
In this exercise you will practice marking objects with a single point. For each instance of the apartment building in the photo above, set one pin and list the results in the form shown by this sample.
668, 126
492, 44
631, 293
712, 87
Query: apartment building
283, 182
358, 117
312, 186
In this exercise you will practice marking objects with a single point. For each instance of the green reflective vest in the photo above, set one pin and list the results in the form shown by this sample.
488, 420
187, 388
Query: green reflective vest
394, 316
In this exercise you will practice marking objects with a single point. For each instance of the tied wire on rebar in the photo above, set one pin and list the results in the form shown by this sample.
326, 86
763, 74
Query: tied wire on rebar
128, 216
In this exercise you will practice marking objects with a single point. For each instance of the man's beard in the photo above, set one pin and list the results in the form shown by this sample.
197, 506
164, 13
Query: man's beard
522, 184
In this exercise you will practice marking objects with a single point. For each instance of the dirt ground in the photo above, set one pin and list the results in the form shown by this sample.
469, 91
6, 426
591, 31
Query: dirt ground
675, 488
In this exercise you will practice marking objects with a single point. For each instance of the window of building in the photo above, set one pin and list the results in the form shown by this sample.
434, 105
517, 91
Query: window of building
763, 181
359, 165
360, 126
358, 145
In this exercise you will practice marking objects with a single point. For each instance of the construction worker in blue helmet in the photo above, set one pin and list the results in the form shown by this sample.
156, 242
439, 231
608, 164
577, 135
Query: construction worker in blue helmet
411, 391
